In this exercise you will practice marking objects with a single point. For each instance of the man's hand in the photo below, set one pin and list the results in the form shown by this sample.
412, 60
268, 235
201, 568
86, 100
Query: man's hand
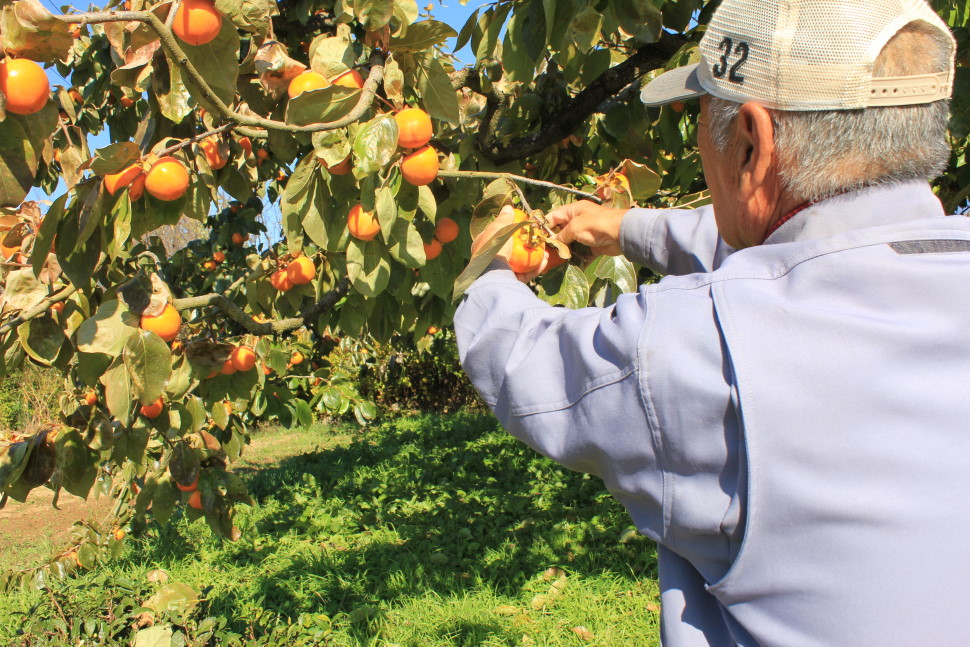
505, 218
590, 224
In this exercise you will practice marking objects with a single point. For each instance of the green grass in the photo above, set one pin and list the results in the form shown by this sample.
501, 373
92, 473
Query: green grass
424, 532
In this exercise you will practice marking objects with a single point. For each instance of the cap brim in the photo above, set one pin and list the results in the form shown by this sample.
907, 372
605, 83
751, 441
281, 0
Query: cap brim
678, 84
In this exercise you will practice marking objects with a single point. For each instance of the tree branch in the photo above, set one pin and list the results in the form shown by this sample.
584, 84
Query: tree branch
254, 327
177, 55
38, 309
578, 110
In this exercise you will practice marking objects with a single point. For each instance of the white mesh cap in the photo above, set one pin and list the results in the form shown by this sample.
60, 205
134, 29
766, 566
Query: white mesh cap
804, 55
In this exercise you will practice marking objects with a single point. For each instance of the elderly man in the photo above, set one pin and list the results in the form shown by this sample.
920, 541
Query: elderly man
787, 412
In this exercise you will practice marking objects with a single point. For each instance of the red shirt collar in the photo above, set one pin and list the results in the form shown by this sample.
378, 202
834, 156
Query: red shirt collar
788, 216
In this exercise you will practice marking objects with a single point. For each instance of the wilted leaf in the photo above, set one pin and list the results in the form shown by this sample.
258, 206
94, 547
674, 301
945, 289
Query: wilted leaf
276, 69
23, 290
30, 31
42, 339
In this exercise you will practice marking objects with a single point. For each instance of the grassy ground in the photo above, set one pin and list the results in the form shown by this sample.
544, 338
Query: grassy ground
425, 532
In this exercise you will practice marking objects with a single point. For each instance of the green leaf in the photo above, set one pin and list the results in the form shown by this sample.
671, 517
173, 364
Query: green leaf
386, 210
323, 105
18, 162
423, 35
114, 158
149, 362
108, 330
219, 415
42, 339
217, 62
331, 56
484, 258
375, 144
44, 240
13, 460
75, 462
437, 95
569, 288
373, 14
584, 30
170, 88
406, 245
617, 270
196, 408
640, 19
117, 392
427, 203
368, 267
302, 412
525, 41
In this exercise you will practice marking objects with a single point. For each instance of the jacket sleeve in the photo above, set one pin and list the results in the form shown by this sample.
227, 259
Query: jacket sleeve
636, 393
673, 241
565, 382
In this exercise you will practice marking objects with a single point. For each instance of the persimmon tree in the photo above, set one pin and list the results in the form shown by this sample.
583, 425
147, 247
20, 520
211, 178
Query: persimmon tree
384, 154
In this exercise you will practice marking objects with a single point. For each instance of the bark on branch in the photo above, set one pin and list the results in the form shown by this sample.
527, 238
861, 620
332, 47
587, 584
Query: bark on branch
177, 55
254, 327
578, 110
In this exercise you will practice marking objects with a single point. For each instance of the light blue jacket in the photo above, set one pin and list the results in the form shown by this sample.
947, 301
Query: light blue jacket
790, 422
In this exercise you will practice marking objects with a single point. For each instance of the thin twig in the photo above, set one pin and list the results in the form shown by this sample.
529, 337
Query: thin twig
518, 178
192, 140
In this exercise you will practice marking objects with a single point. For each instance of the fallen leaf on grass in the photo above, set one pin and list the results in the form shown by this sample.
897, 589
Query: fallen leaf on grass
506, 610
584, 634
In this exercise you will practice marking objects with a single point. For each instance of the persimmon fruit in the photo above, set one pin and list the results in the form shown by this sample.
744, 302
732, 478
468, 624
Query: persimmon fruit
152, 410
446, 230
209, 266
280, 281
167, 180
363, 225
306, 82
296, 358
90, 398
227, 367
343, 168
301, 270
166, 325
25, 85
197, 22
432, 250
115, 182
350, 79
219, 257
188, 488
420, 167
238, 238
216, 153
195, 500
526, 255
414, 128
243, 358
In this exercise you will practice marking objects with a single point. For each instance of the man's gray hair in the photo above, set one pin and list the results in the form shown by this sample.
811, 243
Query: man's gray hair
824, 153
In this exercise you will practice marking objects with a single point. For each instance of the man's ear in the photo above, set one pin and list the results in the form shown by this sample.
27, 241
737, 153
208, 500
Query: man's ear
755, 151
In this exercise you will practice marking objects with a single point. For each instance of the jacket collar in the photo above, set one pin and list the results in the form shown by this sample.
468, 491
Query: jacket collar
870, 207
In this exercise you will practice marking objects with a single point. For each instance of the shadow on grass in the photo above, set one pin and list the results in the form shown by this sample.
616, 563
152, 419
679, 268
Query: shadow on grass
429, 505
